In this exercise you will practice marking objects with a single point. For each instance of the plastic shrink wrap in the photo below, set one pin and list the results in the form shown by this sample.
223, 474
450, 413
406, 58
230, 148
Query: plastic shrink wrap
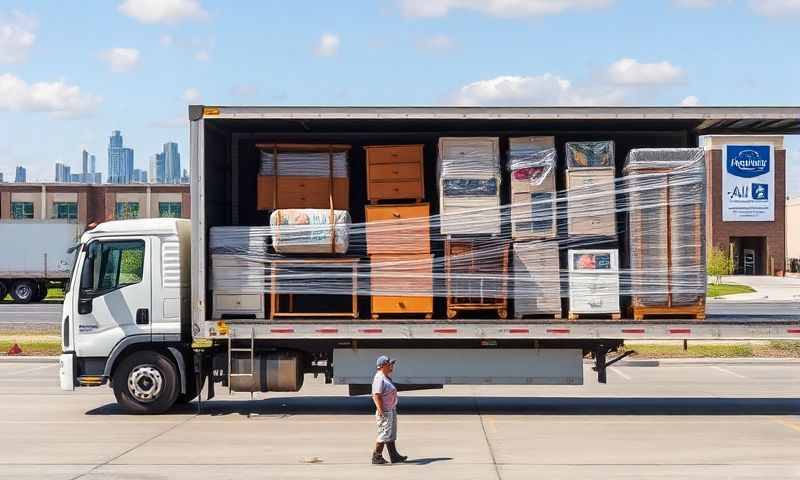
310, 230
532, 167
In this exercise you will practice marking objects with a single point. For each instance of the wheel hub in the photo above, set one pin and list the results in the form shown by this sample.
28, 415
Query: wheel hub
145, 383
24, 291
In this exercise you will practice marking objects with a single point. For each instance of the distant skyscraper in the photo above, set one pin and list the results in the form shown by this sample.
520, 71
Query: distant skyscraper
185, 177
21, 175
98, 177
115, 162
62, 173
172, 163
85, 166
139, 176
75, 178
127, 165
92, 164
1, 177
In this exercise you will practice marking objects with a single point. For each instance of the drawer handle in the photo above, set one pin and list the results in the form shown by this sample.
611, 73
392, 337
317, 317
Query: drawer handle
302, 185
401, 304
396, 189
395, 172
396, 215
395, 155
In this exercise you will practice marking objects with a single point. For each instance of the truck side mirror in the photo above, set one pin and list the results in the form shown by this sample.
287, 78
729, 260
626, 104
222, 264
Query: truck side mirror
84, 305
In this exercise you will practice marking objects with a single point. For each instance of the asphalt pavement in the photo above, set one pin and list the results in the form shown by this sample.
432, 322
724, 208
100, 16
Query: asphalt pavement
35, 316
702, 420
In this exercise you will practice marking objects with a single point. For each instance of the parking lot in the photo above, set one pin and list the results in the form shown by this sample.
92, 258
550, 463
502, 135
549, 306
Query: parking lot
708, 420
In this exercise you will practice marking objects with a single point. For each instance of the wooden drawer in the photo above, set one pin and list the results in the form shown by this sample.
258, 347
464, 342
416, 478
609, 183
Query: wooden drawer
388, 304
232, 304
394, 154
386, 172
302, 192
395, 190
399, 229
468, 147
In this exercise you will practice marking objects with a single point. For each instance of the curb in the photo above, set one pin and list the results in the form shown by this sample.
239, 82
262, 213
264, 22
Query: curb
710, 361
27, 359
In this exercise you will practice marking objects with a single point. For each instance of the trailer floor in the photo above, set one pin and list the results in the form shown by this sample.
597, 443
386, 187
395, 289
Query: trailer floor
711, 419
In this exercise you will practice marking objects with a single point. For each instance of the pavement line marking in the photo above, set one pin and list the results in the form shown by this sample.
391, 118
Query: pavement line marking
22, 372
619, 372
729, 372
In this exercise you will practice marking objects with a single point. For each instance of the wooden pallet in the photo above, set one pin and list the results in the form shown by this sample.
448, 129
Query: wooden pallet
454, 308
577, 316
698, 311
376, 316
555, 316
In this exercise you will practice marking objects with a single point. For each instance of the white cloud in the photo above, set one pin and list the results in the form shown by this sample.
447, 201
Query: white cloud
498, 8
776, 8
328, 45
191, 95
438, 43
57, 98
547, 89
17, 35
690, 101
202, 56
628, 71
121, 59
163, 11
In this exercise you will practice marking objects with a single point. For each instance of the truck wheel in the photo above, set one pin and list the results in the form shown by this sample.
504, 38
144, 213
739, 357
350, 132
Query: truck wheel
146, 383
3, 290
23, 291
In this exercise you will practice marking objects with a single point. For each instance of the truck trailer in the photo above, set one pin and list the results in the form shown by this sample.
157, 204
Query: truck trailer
35, 255
272, 280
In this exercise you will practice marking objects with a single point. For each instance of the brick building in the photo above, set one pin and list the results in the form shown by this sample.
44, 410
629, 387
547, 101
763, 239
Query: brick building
92, 203
754, 232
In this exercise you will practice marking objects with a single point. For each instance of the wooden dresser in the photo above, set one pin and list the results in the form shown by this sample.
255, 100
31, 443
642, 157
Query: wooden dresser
395, 172
398, 229
402, 284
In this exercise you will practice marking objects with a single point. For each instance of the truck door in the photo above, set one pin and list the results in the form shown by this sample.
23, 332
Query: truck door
114, 295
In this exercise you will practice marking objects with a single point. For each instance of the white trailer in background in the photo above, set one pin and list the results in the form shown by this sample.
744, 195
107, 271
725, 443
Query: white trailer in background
35, 254
153, 335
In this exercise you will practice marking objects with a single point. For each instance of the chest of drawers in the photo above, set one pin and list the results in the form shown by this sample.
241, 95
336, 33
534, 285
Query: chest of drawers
401, 284
398, 229
395, 172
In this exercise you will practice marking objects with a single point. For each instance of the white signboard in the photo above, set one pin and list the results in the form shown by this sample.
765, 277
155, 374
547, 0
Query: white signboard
748, 179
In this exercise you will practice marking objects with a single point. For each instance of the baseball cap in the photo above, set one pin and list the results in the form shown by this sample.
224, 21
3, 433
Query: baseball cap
383, 360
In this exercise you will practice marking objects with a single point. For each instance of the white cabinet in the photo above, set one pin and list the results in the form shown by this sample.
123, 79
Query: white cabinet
593, 281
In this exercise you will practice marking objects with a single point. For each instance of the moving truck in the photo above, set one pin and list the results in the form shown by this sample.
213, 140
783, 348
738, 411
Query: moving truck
35, 255
140, 315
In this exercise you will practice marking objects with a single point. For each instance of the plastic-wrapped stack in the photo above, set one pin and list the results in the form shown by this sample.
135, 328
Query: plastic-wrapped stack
666, 227
537, 278
591, 205
303, 176
593, 282
310, 230
532, 163
469, 185
238, 270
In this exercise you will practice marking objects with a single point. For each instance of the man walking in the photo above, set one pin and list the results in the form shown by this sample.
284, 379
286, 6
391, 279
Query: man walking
384, 394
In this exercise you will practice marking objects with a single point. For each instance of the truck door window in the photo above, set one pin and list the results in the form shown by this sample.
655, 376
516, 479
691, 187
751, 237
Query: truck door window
115, 264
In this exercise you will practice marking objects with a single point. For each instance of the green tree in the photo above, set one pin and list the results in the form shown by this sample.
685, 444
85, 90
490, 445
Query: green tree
719, 264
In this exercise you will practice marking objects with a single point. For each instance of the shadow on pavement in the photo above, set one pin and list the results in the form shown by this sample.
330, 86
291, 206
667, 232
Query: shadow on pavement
330, 405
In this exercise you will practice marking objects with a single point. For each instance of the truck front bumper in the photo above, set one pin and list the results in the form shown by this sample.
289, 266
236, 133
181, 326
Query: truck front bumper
66, 371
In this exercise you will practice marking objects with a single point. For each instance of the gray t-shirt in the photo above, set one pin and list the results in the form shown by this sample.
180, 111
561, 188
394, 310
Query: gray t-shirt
383, 386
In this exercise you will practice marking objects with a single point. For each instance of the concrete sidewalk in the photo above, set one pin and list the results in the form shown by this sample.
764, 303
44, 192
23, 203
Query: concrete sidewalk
767, 289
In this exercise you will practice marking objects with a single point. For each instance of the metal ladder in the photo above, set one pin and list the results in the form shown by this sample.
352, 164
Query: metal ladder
231, 349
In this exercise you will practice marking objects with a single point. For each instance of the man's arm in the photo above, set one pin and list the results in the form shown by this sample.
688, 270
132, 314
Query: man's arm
376, 397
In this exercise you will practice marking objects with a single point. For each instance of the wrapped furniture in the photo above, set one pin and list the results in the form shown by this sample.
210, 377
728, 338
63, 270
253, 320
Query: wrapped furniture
395, 172
303, 176
537, 279
666, 226
476, 270
469, 185
401, 284
310, 231
593, 282
238, 271
532, 163
291, 276
591, 192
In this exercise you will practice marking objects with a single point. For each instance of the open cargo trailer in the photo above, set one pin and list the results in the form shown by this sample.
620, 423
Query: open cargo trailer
224, 164
252, 351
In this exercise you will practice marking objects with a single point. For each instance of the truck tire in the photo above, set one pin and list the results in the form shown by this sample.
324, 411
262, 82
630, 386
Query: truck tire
3, 290
24, 291
146, 382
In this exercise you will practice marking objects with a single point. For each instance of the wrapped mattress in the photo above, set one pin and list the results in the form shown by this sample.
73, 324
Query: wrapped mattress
310, 230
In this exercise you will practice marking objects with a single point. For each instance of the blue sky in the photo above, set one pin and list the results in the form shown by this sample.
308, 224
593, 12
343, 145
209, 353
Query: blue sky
70, 72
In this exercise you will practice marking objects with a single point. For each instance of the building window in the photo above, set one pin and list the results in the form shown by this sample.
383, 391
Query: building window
21, 210
126, 210
66, 210
169, 209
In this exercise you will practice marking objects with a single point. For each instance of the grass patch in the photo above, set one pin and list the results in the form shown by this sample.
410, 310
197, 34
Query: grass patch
772, 349
31, 344
720, 289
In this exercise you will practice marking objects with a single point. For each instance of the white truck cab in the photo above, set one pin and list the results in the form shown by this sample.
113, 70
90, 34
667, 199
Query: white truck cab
123, 315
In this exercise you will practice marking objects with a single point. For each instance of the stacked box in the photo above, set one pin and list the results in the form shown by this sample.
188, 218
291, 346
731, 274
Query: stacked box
238, 271
537, 279
666, 230
469, 185
591, 192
